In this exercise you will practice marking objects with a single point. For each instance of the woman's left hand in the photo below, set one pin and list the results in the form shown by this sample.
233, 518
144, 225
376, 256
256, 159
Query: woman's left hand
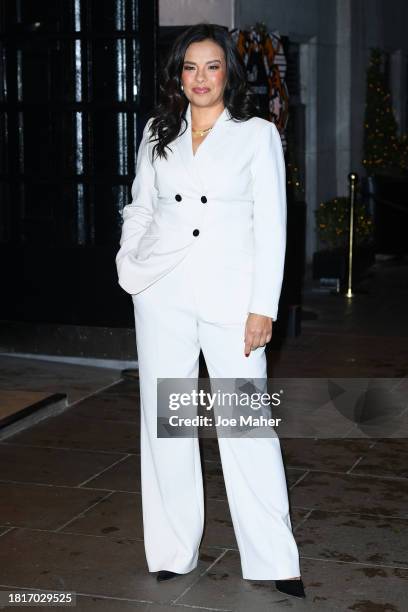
258, 331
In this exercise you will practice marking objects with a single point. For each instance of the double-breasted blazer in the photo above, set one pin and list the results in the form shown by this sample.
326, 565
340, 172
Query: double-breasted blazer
225, 205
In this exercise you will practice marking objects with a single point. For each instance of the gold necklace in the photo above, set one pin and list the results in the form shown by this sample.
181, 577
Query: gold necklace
201, 132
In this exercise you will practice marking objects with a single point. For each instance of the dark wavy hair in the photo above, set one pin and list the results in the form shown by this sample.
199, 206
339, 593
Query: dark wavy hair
170, 111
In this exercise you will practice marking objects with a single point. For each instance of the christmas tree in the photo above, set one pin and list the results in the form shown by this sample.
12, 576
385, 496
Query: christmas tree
382, 148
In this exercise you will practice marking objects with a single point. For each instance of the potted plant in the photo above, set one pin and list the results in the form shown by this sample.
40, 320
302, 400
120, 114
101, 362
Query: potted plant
332, 226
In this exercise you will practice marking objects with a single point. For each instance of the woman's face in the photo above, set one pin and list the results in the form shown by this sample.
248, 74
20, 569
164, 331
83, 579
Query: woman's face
204, 73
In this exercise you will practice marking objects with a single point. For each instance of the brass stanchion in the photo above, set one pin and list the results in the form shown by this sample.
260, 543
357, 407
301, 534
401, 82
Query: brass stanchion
353, 178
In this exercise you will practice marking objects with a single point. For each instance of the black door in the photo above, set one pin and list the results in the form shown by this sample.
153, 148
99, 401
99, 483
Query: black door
77, 81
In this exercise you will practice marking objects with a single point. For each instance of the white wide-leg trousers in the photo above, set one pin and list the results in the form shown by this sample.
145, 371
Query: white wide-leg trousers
170, 331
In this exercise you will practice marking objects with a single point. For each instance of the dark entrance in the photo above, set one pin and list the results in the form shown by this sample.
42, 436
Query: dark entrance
77, 78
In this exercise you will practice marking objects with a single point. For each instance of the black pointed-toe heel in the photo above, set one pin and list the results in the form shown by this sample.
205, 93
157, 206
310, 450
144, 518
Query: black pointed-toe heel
166, 575
291, 587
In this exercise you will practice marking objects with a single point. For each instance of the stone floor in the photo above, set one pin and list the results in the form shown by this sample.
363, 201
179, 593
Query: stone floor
70, 517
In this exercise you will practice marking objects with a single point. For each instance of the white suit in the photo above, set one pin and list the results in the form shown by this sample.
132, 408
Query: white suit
203, 244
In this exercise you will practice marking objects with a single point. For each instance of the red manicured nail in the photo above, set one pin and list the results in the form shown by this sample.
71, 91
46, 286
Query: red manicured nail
246, 354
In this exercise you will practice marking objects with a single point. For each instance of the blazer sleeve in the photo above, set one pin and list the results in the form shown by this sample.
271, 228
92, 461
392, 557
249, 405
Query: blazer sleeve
138, 215
269, 221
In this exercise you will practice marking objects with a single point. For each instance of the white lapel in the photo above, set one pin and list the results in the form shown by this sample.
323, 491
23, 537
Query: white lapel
198, 166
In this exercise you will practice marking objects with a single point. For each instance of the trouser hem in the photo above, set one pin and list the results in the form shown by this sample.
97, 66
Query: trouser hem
272, 575
173, 569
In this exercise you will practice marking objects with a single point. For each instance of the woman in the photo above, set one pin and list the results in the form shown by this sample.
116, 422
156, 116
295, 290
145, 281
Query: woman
202, 253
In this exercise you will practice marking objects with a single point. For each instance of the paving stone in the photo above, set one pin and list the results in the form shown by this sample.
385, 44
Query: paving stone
354, 538
96, 604
350, 586
386, 458
126, 388
351, 493
43, 507
50, 465
218, 527
119, 515
328, 586
213, 479
124, 476
114, 567
108, 408
337, 455
70, 431
90, 603
54, 377
3, 529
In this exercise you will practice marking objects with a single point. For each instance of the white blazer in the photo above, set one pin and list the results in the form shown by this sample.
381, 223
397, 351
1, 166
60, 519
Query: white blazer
226, 204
